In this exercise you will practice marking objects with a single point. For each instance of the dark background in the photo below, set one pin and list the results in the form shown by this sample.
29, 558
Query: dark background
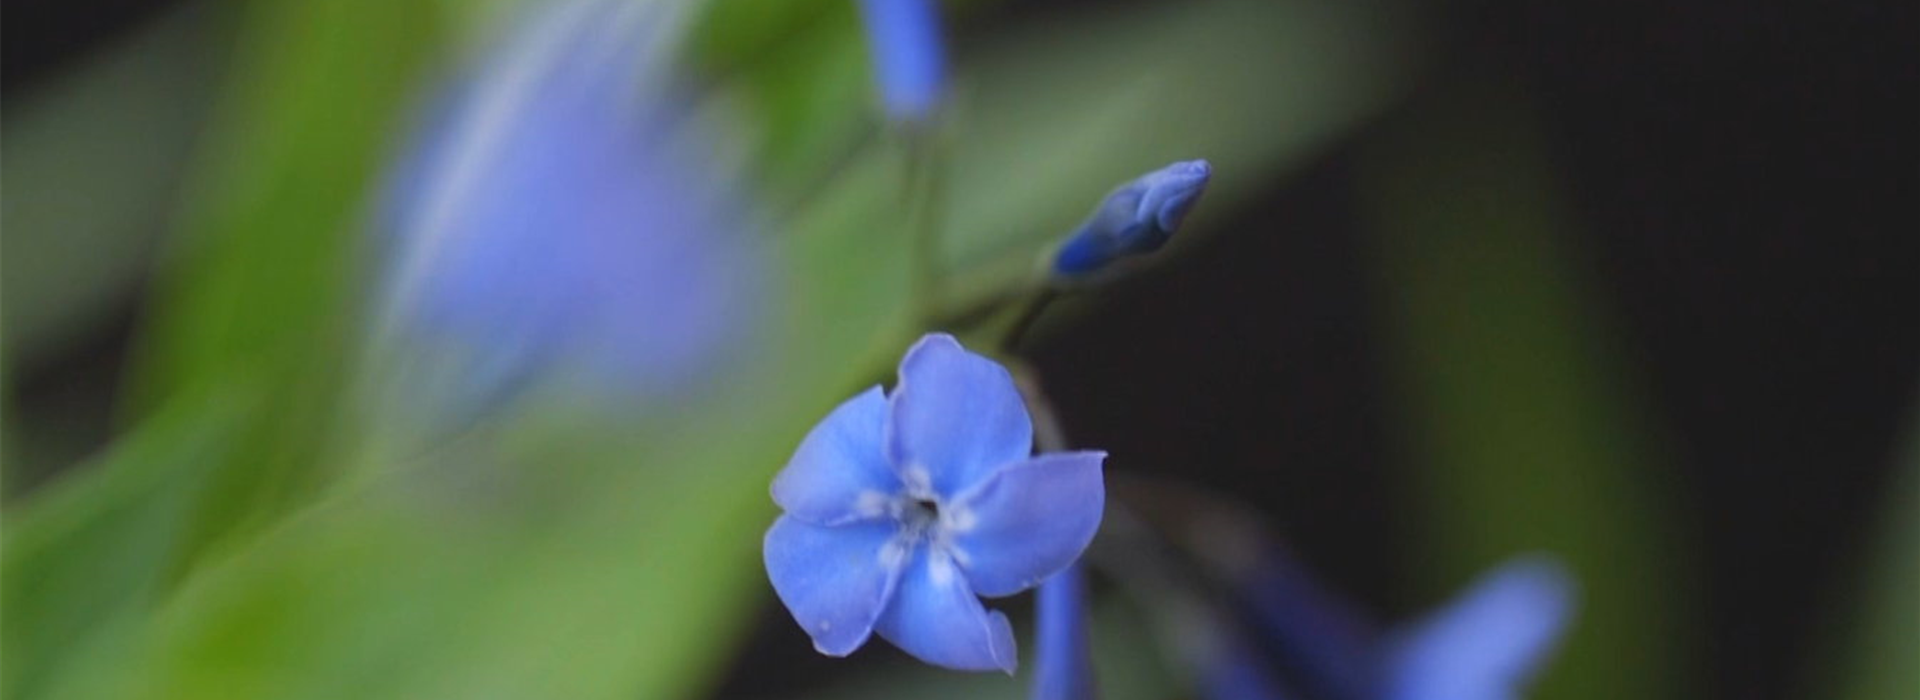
1745, 178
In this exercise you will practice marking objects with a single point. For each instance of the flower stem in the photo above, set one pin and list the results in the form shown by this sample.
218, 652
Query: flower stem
1035, 305
925, 197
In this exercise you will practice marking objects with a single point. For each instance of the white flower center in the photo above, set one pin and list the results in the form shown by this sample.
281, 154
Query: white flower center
924, 519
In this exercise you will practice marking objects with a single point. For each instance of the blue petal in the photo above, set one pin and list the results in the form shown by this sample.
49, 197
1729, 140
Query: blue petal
1233, 671
1029, 520
935, 617
840, 470
956, 415
1321, 634
1064, 658
909, 59
1487, 642
832, 579
1172, 191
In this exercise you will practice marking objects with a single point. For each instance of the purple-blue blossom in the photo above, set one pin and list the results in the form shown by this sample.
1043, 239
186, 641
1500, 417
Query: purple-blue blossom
902, 509
1137, 218
909, 58
560, 212
1487, 643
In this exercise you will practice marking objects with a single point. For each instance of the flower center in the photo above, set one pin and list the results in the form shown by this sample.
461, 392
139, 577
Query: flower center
920, 514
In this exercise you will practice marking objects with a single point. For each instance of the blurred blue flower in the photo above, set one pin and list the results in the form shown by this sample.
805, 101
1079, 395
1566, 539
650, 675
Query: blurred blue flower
559, 213
1487, 643
1135, 219
1235, 671
901, 509
1320, 634
909, 59
1064, 659
1484, 645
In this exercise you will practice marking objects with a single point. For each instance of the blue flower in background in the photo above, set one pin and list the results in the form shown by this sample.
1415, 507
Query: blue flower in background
902, 509
1065, 657
1488, 642
1484, 645
1235, 671
559, 213
1135, 219
909, 59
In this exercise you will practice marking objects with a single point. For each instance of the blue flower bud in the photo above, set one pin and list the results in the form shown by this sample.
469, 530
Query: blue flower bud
1135, 219
908, 57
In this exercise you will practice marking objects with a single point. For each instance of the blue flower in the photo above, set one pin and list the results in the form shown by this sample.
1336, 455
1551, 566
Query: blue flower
558, 213
1487, 643
902, 508
1235, 671
1484, 645
908, 57
1135, 219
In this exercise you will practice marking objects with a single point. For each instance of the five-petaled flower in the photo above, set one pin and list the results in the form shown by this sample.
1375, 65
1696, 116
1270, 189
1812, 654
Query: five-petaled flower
901, 509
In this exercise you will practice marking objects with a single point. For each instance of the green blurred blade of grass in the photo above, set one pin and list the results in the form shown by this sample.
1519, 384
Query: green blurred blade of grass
1881, 658
92, 161
91, 551
93, 156
1526, 422
259, 284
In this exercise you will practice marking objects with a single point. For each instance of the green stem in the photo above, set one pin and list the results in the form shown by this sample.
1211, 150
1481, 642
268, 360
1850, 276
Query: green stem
924, 195
1036, 305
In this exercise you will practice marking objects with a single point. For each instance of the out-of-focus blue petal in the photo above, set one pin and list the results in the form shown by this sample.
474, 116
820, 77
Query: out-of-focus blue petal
909, 59
840, 472
564, 210
1029, 520
935, 617
1328, 641
1064, 659
1136, 218
1234, 672
834, 580
956, 417
1487, 643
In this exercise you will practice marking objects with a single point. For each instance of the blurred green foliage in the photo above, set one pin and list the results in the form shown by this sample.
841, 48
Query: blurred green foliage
91, 163
1527, 430
248, 533
1877, 654
237, 541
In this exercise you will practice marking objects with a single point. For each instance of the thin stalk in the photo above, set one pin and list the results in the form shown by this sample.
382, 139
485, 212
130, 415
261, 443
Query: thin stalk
1036, 305
925, 195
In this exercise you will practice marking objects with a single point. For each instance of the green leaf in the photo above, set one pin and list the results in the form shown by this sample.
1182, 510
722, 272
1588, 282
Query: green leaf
94, 549
260, 285
92, 162
1877, 660
1524, 418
